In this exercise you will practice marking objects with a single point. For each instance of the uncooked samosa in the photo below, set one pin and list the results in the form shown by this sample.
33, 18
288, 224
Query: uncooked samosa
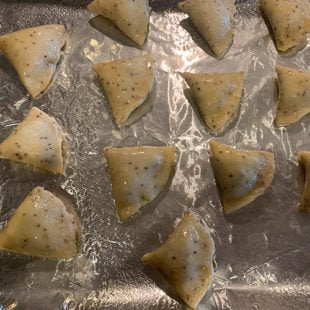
217, 96
130, 16
42, 226
289, 22
304, 163
34, 53
126, 83
215, 20
38, 140
241, 175
185, 259
294, 95
138, 175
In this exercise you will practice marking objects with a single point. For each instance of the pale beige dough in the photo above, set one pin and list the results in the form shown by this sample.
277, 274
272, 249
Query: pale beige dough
38, 140
215, 20
185, 259
131, 17
138, 175
294, 95
217, 96
289, 22
42, 226
304, 163
241, 175
126, 83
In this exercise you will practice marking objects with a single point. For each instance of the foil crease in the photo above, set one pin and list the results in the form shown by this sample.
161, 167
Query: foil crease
262, 252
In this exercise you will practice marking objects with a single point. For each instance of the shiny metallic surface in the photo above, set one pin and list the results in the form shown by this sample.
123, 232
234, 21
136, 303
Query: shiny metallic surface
262, 252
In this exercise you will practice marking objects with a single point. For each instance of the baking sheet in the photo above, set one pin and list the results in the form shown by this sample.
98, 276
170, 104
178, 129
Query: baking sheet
262, 252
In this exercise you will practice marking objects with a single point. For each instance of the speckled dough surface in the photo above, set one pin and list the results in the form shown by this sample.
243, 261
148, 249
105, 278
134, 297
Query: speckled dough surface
42, 226
262, 251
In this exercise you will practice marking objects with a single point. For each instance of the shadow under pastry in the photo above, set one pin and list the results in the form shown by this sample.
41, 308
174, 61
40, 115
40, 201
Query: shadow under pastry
249, 213
106, 27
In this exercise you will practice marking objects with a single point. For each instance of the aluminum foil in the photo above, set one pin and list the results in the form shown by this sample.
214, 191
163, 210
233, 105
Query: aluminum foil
262, 252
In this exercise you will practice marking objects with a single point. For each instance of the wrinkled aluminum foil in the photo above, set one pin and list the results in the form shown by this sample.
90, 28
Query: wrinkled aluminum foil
262, 252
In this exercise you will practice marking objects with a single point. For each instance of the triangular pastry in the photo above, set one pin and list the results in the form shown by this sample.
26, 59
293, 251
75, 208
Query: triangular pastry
289, 22
241, 175
185, 259
294, 95
215, 20
217, 96
138, 175
130, 16
126, 83
38, 141
34, 53
42, 226
304, 163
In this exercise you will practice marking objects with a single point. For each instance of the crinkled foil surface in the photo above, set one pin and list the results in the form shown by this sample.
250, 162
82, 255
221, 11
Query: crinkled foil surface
262, 252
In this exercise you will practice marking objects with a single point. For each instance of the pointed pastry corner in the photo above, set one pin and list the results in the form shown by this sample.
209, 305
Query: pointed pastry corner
38, 141
304, 164
288, 21
138, 175
241, 175
43, 226
217, 96
127, 84
294, 95
34, 53
214, 20
131, 17
185, 259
